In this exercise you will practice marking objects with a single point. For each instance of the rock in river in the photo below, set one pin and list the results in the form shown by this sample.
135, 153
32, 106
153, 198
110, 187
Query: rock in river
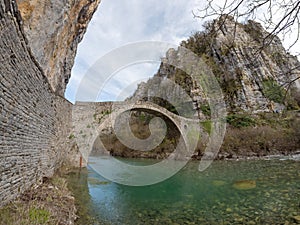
297, 219
244, 184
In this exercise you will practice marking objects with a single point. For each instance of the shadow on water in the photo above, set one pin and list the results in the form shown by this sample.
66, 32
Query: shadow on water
245, 192
78, 184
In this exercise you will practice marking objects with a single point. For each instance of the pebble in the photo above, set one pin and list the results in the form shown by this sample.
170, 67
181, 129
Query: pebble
240, 219
228, 210
218, 183
297, 219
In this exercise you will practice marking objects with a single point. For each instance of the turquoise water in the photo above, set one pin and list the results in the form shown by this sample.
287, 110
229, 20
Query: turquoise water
193, 197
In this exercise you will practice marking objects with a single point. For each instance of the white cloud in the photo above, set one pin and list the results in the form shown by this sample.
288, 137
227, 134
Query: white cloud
118, 22
123, 83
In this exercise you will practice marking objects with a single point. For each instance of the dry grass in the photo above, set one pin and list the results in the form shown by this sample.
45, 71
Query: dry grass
260, 141
49, 203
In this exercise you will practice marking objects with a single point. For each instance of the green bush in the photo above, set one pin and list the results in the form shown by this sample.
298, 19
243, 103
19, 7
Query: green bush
240, 120
106, 112
95, 116
205, 109
145, 117
273, 91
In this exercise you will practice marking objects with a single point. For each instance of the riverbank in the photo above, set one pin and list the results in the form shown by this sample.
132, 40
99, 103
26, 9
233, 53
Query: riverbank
48, 202
247, 136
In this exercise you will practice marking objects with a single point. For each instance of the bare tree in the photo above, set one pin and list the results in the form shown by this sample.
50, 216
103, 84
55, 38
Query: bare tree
289, 84
279, 17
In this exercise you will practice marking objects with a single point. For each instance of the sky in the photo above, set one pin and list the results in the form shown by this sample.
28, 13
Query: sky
117, 23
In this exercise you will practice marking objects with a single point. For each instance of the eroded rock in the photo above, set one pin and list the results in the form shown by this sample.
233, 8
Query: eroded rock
53, 29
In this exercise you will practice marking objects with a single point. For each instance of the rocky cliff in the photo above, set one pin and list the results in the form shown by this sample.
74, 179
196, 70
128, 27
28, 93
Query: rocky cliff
252, 67
256, 76
53, 29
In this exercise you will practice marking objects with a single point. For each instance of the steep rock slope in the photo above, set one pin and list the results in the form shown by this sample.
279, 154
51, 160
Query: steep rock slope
251, 65
53, 29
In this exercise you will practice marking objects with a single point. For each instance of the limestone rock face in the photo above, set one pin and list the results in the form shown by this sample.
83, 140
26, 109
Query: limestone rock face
53, 29
251, 65
248, 56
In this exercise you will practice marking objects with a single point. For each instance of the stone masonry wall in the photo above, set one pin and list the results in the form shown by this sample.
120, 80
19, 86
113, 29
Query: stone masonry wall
34, 122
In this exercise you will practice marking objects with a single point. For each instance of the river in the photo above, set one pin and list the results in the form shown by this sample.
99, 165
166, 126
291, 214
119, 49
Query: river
228, 192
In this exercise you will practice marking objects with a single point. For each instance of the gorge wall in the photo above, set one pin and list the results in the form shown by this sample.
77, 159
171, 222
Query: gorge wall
37, 48
53, 30
251, 65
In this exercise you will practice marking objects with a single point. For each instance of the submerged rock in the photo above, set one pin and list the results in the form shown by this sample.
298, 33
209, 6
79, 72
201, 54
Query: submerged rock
218, 183
297, 219
244, 184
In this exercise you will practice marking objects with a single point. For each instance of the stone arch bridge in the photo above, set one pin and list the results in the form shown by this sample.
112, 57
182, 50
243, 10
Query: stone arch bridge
90, 119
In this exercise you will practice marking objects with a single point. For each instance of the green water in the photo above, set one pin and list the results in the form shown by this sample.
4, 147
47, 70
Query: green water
193, 197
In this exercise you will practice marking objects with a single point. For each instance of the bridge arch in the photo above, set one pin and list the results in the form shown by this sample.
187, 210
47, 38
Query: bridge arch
87, 130
189, 129
112, 169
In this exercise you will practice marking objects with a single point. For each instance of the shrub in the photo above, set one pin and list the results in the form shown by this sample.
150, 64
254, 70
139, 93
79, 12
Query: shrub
273, 91
205, 109
240, 120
